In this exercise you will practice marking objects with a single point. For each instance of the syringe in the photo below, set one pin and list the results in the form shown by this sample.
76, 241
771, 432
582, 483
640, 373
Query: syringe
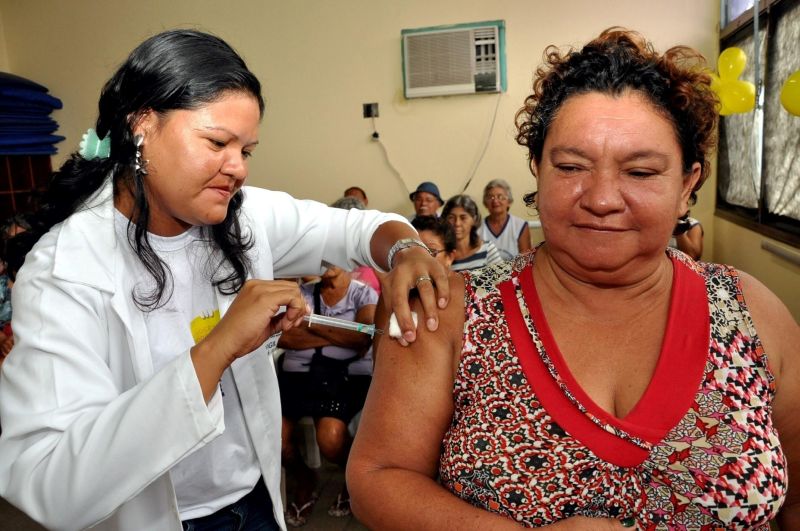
342, 323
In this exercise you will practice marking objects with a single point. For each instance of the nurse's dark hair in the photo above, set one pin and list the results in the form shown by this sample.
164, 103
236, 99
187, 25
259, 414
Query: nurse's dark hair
620, 60
176, 69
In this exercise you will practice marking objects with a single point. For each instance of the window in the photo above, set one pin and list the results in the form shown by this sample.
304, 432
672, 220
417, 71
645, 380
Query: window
762, 193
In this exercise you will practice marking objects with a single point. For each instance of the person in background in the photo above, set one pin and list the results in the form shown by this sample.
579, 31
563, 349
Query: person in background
358, 193
472, 252
688, 236
6, 334
314, 379
142, 392
14, 225
13, 255
365, 274
426, 199
604, 380
507, 232
438, 235
15, 251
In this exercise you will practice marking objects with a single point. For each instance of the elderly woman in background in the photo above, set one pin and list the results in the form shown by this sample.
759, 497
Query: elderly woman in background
461, 212
601, 381
507, 232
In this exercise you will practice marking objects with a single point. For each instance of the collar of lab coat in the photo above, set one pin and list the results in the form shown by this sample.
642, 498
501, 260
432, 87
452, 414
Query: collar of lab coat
90, 234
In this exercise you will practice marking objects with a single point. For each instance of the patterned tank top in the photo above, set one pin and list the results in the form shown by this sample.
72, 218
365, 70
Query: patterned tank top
698, 451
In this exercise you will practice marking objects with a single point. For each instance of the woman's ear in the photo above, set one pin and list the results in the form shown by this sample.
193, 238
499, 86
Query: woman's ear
689, 182
143, 123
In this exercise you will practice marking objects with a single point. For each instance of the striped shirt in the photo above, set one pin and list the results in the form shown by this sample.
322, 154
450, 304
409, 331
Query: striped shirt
486, 255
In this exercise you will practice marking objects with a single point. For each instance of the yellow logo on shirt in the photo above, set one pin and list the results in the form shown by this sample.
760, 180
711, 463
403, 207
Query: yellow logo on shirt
202, 325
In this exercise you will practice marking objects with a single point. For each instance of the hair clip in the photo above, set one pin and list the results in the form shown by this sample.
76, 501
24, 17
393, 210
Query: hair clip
91, 147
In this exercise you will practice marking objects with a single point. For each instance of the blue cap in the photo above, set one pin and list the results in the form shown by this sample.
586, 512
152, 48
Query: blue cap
428, 187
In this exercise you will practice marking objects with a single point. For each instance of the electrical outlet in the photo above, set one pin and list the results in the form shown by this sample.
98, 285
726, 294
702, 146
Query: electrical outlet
370, 110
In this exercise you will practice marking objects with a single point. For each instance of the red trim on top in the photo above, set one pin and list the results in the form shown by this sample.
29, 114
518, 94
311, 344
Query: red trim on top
669, 394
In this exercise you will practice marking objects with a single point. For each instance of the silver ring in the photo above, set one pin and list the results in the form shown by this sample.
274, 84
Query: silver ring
423, 278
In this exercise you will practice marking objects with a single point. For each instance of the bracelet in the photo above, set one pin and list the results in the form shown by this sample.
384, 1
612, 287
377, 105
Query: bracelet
399, 245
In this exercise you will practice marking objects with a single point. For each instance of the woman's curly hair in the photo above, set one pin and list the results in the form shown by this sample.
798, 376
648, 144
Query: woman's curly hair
618, 60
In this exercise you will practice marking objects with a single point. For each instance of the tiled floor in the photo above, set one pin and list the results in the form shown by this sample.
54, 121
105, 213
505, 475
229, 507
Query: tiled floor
330, 483
331, 479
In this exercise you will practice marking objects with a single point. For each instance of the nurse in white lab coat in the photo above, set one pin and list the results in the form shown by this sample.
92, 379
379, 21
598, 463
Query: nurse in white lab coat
141, 392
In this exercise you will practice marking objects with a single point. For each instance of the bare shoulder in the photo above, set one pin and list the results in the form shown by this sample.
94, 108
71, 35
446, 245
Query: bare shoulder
447, 335
777, 329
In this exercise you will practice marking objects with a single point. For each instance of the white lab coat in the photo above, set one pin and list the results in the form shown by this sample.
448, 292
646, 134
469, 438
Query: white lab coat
89, 430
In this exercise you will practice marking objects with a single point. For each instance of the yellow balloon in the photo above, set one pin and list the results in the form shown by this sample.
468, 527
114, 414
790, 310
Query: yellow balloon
790, 94
738, 96
715, 82
723, 110
716, 85
731, 63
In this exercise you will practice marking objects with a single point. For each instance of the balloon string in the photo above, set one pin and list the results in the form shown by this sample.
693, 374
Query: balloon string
758, 114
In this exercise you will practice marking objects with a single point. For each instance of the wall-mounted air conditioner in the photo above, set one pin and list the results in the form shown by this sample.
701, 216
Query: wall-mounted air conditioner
456, 59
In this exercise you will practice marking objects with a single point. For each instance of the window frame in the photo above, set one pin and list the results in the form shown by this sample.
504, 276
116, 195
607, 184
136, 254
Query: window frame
759, 219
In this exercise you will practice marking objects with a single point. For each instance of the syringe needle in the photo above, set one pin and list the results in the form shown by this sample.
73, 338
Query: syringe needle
341, 323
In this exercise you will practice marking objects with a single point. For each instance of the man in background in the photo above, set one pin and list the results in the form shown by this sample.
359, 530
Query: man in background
358, 193
427, 200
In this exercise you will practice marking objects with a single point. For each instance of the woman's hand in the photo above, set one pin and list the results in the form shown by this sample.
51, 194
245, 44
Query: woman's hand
251, 319
415, 268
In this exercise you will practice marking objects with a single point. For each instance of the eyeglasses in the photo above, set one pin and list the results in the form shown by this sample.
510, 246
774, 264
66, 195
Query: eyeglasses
497, 197
435, 252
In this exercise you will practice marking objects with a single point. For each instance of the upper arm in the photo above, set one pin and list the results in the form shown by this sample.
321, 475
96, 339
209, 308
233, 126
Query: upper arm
524, 240
410, 401
305, 236
366, 314
366, 301
691, 242
777, 330
780, 337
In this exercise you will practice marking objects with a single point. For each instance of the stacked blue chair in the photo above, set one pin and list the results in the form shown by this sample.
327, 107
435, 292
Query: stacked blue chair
26, 127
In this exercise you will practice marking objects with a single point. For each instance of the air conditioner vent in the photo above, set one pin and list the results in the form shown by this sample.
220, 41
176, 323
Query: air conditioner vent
460, 59
484, 34
440, 59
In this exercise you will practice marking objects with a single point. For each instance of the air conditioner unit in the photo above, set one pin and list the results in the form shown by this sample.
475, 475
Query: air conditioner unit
457, 59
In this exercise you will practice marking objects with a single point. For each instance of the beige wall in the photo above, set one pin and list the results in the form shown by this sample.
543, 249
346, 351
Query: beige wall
320, 60
3, 54
742, 248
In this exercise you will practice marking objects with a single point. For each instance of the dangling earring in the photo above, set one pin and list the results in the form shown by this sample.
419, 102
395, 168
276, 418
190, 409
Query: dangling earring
139, 164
